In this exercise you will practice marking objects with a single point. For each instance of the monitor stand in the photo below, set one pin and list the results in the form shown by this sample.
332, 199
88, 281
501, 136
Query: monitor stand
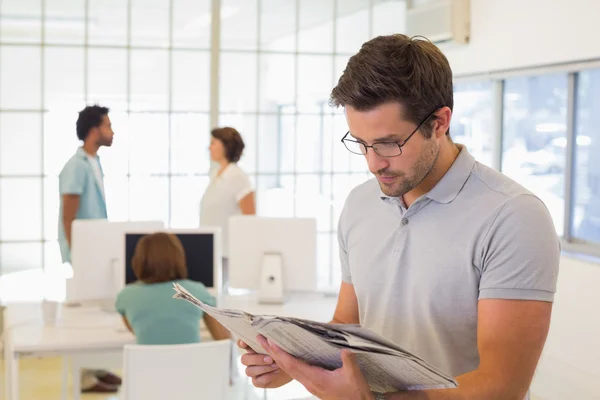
271, 279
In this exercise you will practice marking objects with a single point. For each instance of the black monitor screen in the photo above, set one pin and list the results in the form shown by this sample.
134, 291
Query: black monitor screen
199, 256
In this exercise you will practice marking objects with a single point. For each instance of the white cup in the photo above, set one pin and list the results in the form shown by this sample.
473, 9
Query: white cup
50, 312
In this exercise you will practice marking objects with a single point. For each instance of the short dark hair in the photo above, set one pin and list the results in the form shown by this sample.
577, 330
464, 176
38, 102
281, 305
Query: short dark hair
396, 68
159, 257
232, 142
90, 117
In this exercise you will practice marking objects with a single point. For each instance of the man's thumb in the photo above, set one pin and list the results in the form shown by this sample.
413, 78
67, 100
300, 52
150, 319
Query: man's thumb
349, 360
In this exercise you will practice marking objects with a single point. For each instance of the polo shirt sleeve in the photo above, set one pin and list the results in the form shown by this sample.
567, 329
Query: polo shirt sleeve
343, 248
521, 253
72, 178
241, 186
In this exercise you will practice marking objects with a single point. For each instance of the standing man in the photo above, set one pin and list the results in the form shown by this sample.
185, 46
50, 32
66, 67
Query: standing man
81, 186
442, 255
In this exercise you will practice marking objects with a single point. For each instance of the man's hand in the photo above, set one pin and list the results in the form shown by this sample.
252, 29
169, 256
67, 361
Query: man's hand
345, 383
262, 369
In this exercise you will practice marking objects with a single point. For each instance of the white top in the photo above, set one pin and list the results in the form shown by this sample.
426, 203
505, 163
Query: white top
97, 171
221, 200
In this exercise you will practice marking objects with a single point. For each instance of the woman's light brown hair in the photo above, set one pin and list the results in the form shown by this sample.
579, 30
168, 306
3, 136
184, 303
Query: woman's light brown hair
232, 142
159, 257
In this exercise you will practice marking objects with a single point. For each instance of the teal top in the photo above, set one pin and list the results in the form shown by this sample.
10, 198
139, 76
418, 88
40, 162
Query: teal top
77, 177
157, 318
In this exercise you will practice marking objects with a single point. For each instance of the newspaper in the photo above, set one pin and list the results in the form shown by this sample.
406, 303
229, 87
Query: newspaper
386, 366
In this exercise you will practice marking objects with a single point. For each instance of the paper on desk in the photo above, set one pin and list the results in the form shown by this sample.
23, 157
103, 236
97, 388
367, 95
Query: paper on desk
386, 366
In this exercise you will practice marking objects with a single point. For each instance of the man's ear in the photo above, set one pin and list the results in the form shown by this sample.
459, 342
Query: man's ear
442, 121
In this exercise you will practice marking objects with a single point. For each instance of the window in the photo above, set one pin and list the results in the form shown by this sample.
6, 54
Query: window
586, 174
149, 62
473, 120
534, 138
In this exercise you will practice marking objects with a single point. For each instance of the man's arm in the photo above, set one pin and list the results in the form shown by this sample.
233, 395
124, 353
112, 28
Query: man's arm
346, 310
70, 207
217, 331
510, 335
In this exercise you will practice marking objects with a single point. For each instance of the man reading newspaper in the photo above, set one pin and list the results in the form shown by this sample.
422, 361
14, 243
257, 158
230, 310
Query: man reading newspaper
440, 254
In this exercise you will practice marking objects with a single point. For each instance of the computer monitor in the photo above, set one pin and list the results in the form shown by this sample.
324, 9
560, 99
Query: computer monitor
274, 256
202, 247
96, 254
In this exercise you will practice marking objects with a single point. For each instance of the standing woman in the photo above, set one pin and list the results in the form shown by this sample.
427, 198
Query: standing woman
229, 192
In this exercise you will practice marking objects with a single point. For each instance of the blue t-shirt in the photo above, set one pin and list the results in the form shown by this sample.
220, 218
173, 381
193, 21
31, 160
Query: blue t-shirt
157, 318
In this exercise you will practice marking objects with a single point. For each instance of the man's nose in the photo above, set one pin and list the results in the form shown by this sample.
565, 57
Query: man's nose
375, 161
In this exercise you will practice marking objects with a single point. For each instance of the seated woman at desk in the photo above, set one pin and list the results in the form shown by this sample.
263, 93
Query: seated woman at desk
147, 306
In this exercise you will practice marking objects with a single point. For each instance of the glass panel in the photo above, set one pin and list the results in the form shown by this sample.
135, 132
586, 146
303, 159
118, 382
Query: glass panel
323, 260
239, 24
186, 193
336, 268
115, 159
107, 78
190, 138
149, 199
341, 155
149, 86
316, 26
148, 143
20, 80
16, 257
65, 21
21, 211
382, 23
21, 21
60, 140
237, 88
534, 137
110, 22
275, 195
309, 143
117, 197
276, 143
352, 25
310, 201
20, 143
51, 208
191, 81
63, 78
268, 144
150, 23
277, 81
329, 138
192, 23
314, 82
278, 25
246, 126
586, 184
473, 119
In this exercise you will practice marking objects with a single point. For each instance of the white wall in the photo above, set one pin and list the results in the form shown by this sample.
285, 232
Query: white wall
570, 365
509, 34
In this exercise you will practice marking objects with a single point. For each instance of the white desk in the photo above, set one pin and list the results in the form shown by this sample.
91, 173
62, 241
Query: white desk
82, 330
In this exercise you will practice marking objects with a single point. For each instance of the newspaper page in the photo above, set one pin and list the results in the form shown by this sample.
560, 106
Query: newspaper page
386, 366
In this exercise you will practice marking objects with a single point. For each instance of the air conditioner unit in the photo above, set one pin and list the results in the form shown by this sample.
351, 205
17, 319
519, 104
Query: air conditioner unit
441, 21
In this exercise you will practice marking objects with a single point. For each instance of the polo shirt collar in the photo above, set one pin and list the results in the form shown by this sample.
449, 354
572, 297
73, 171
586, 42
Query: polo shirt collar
455, 178
452, 182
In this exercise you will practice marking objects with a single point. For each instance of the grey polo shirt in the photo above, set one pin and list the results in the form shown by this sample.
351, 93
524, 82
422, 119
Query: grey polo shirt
419, 272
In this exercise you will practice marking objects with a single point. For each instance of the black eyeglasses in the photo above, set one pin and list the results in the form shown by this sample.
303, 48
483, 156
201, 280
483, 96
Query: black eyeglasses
382, 149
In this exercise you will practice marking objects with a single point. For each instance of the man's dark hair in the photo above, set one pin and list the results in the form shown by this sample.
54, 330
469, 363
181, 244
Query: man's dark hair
396, 68
90, 117
232, 142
